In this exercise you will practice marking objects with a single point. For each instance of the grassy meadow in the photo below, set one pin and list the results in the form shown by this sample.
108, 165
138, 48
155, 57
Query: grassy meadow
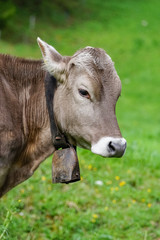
116, 198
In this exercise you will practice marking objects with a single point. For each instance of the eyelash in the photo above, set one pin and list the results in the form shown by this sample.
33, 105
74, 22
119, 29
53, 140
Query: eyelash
84, 93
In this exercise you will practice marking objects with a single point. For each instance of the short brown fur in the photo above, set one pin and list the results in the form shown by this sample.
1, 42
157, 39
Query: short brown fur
23, 120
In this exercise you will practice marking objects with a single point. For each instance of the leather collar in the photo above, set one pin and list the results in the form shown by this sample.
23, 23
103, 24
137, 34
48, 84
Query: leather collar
59, 140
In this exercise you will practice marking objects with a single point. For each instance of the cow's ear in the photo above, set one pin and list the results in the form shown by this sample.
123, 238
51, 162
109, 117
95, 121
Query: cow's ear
53, 61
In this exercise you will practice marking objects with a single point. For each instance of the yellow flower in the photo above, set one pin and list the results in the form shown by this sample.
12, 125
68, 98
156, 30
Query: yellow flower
148, 190
22, 190
114, 201
93, 220
109, 182
19, 200
43, 178
112, 189
116, 188
143, 200
96, 190
95, 216
117, 178
106, 208
149, 205
81, 178
89, 167
122, 183
82, 161
133, 201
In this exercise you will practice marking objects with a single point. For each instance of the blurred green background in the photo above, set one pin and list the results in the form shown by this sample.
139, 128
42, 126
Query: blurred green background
116, 198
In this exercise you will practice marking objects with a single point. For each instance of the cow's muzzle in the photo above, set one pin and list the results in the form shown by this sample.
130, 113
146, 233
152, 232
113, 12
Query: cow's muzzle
110, 147
65, 166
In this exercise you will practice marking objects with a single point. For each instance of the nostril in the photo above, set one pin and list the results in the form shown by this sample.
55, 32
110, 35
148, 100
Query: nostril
116, 148
111, 147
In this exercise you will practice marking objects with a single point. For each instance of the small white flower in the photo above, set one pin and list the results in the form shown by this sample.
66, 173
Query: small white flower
127, 81
21, 214
144, 23
99, 182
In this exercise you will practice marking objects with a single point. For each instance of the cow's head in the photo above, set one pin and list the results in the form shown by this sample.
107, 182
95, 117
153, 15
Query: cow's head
85, 100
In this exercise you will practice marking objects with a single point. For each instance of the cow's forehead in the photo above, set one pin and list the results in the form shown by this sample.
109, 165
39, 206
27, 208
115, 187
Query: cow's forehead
92, 57
100, 67
96, 63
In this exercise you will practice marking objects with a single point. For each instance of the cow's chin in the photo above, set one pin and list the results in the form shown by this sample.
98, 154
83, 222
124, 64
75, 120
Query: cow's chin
77, 141
109, 147
84, 145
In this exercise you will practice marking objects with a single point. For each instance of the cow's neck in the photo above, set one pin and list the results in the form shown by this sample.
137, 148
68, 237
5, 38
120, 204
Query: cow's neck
36, 126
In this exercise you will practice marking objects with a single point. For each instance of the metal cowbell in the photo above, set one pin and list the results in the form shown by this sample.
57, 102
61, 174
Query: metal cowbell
65, 166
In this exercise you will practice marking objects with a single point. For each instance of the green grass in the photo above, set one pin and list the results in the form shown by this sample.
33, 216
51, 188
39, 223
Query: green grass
127, 207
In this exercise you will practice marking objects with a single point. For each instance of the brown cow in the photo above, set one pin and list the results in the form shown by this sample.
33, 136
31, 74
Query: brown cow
84, 108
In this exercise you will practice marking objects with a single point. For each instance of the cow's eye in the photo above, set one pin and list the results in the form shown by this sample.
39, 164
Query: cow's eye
84, 93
